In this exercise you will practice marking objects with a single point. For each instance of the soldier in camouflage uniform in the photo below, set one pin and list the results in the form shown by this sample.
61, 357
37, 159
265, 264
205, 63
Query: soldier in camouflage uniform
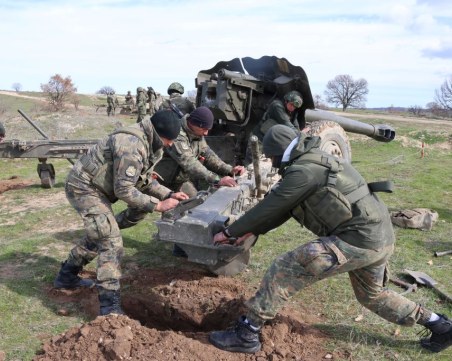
175, 91
190, 160
330, 198
141, 104
2, 132
152, 99
112, 102
129, 100
119, 167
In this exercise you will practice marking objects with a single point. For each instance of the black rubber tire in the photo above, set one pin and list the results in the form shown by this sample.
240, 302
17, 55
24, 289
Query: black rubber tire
334, 139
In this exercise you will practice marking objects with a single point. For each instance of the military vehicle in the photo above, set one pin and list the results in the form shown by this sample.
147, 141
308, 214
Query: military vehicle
238, 92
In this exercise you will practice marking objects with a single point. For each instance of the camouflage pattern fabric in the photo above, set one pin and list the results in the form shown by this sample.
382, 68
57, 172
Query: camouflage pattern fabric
327, 257
152, 99
190, 160
360, 245
182, 103
89, 192
141, 105
112, 102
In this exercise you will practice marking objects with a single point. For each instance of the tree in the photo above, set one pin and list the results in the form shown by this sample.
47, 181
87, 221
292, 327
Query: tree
443, 95
416, 110
17, 87
105, 90
58, 91
318, 102
344, 91
435, 109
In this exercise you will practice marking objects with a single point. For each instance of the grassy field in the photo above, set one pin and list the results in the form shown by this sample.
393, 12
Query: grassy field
38, 227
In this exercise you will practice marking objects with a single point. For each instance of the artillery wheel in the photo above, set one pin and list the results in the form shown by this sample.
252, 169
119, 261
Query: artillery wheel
231, 268
47, 181
334, 140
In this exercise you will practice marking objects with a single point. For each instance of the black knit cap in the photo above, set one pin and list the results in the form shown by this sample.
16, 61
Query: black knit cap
201, 117
277, 139
166, 123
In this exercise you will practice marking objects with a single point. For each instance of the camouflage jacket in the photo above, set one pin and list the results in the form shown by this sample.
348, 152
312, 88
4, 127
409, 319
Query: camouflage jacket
141, 102
276, 114
190, 158
301, 194
182, 103
112, 100
121, 165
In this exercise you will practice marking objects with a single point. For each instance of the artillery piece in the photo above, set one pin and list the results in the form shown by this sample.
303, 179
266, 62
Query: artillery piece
238, 92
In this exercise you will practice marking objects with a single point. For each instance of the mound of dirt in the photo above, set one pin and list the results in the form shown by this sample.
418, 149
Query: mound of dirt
169, 316
13, 183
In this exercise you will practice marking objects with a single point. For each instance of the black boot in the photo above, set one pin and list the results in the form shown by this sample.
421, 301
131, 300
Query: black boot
241, 338
110, 302
68, 277
441, 337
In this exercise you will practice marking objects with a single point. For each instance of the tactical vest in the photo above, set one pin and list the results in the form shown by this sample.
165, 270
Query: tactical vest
102, 171
328, 208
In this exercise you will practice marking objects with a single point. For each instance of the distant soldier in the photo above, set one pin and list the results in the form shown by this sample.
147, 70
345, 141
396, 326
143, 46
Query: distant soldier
152, 99
190, 160
2, 132
112, 102
119, 167
129, 100
141, 103
175, 91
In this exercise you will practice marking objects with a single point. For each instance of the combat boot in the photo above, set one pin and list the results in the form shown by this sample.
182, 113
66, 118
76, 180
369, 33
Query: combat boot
241, 338
68, 277
110, 302
441, 337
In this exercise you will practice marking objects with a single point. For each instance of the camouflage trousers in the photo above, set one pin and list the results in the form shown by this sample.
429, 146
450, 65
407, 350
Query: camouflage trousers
326, 257
102, 236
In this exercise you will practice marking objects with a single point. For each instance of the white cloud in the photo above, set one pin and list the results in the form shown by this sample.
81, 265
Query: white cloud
126, 44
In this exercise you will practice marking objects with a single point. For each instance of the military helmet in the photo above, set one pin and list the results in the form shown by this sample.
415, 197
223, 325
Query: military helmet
277, 139
294, 97
140, 89
175, 87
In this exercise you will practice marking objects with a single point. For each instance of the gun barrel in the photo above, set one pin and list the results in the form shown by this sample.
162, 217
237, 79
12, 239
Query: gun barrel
380, 132
33, 124
228, 74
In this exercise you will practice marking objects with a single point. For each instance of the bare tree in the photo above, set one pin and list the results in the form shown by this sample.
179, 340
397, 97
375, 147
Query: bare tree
416, 110
105, 90
58, 91
443, 95
17, 87
318, 102
344, 91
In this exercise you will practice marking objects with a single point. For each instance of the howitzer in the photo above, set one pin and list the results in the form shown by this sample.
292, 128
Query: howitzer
44, 149
238, 92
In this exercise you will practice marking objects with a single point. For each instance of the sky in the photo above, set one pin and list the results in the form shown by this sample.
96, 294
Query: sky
403, 48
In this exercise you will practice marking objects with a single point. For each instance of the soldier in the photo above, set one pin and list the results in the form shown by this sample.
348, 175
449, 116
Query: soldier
141, 104
190, 160
112, 102
175, 91
331, 199
2, 132
118, 167
129, 100
277, 113
152, 99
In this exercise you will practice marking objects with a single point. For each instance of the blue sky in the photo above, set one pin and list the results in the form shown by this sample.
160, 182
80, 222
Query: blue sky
403, 48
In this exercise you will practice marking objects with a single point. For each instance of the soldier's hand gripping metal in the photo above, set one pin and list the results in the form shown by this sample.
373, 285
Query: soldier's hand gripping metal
222, 238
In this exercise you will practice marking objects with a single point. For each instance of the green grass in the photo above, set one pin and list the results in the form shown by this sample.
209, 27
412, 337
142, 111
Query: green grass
37, 232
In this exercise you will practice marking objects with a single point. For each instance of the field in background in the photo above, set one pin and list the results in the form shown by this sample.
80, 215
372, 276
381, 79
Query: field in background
38, 227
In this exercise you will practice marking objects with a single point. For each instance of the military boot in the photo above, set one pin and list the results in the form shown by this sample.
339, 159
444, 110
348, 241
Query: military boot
441, 337
68, 277
110, 302
241, 338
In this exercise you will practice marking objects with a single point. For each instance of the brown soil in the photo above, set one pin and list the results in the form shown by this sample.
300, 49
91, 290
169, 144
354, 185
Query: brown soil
169, 316
13, 183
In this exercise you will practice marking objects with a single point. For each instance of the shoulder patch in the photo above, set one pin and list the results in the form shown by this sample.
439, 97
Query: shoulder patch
131, 171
